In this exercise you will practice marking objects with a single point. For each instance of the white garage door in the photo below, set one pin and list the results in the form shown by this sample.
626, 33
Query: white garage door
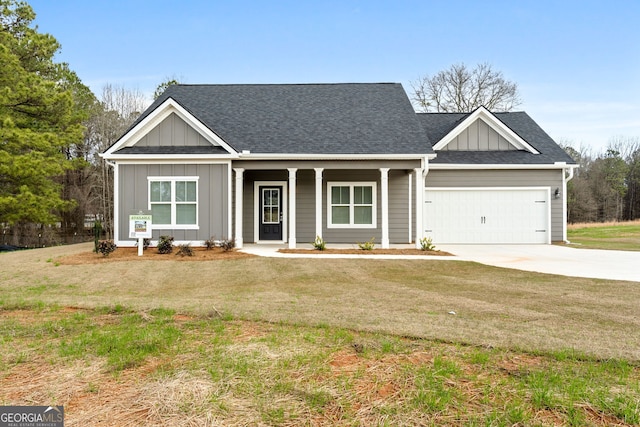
488, 215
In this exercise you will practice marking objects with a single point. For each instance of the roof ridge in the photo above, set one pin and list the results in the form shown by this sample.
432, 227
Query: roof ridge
287, 84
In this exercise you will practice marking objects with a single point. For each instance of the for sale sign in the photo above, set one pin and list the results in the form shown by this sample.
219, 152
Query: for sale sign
140, 226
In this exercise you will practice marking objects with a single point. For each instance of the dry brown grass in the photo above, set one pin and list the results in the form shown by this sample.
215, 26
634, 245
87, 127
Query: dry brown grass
238, 373
496, 307
577, 225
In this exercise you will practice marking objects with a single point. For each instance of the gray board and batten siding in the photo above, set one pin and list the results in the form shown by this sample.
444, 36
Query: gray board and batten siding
173, 132
213, 201
479, 136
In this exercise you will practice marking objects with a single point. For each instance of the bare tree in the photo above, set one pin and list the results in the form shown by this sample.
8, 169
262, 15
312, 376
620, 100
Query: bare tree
459, 89
117, 110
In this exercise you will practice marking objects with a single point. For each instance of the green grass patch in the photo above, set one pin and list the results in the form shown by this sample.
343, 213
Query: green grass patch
612, 236
125, 343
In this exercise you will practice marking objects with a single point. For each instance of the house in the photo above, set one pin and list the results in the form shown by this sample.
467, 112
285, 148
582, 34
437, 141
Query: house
285, 163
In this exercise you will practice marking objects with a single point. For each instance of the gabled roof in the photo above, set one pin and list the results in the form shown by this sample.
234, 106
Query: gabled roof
487, 117
150, 119
352, 118
438, 125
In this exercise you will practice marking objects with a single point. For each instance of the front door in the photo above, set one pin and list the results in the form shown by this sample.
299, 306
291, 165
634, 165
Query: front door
270, 221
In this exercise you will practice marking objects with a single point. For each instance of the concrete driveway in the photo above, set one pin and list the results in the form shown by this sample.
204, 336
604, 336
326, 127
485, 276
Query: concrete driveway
600, 264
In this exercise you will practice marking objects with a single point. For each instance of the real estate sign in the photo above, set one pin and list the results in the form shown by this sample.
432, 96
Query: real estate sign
140, 226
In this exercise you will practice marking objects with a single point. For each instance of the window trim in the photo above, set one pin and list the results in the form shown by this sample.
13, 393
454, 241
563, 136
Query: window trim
351, 185
173, 202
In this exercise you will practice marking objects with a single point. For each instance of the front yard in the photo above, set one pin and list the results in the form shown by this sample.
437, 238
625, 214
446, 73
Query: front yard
253, 341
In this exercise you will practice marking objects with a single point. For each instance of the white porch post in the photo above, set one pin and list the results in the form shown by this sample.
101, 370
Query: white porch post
419, 206
239, 194
292, 207
319, 201
384, 190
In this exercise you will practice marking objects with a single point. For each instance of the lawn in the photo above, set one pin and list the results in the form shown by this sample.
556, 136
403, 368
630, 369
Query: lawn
623, 236
252, 341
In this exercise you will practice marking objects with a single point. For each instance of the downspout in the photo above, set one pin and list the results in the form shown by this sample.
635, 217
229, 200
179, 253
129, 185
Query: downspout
565, 179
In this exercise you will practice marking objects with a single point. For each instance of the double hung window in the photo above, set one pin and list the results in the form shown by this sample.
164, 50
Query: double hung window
173, 202
351, 204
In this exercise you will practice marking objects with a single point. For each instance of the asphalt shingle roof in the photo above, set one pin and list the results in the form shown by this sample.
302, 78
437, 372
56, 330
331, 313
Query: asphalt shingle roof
349, 118
335, 119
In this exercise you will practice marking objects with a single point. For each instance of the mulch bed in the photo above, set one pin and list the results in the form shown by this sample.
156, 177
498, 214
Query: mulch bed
363, 252
151, 254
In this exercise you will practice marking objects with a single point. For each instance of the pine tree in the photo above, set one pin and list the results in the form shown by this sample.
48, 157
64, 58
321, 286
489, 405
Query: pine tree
42, 106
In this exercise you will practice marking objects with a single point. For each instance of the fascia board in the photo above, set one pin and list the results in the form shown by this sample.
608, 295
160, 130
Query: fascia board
279, 156
460, 166
155, 118
150, 157
494, 122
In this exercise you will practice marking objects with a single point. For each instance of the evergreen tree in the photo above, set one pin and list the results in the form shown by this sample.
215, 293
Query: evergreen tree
42, 106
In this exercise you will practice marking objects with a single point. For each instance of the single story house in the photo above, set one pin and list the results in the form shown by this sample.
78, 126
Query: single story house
284, 163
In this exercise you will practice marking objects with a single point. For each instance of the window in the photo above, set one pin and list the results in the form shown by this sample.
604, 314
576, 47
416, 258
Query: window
351, 204
173, 201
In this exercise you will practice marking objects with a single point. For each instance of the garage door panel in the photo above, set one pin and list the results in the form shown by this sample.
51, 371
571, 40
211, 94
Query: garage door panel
513, 215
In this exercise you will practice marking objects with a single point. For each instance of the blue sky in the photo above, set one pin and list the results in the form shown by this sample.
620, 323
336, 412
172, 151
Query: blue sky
577, 63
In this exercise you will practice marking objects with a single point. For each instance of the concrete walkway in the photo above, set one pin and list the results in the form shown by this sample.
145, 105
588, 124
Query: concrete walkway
552, 259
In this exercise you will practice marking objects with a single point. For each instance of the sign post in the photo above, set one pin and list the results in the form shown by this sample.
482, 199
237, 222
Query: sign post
140, 228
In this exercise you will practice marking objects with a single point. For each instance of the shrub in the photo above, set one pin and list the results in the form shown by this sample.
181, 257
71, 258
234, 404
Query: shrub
227, 244
165, 245
145, 243
426, 244
105, 247
319, 244
368, 245
185, 250
97, 232
210, 244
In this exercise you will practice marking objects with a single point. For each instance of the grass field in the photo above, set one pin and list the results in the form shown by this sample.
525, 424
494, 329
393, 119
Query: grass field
613, 235
256, 341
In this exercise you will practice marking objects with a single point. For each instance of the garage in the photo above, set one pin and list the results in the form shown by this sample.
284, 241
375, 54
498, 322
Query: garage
518, 215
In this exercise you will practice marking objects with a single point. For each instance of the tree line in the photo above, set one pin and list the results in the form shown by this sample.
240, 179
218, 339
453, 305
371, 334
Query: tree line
54, 185
606, 186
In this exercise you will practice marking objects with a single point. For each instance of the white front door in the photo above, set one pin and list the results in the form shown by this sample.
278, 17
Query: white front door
488, 215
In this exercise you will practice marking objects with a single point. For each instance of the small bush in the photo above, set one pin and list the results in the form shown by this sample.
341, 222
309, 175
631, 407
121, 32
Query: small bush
368, 245
185, 250
105, 247
145, 243
165, 245
211, 243
319, 244
227, 244
426, 244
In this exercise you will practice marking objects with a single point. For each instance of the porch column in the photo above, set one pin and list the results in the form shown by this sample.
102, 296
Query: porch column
419, 206
239, 194
292, 207
384, 190
319, 201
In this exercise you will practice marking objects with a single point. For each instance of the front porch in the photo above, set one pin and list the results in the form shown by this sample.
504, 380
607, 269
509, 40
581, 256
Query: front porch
342, 202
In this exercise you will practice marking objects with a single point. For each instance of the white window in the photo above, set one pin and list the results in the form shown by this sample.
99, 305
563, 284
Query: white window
351, 204
173, 202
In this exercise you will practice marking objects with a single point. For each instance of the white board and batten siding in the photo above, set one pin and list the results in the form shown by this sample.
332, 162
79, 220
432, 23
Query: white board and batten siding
497, 215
